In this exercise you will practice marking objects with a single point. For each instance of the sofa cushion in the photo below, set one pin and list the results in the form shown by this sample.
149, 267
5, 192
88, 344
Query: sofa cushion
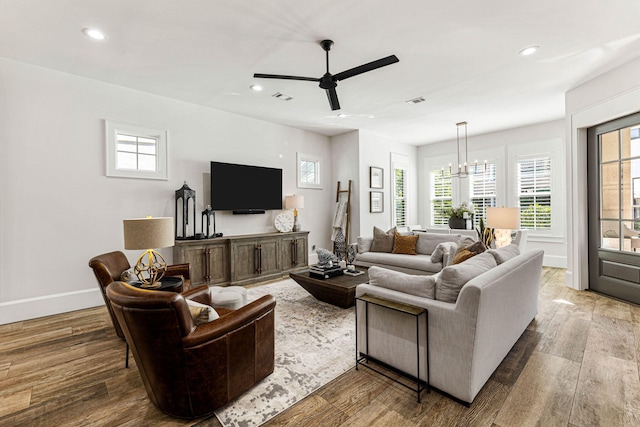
383, 241
404, 244
364, 244
454, 277
422, 286
411, 262
466, 252
441, 249
505, 254
201, 313
427, 242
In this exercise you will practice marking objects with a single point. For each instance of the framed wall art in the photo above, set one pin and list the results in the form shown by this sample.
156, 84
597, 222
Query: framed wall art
376, 201
376, 176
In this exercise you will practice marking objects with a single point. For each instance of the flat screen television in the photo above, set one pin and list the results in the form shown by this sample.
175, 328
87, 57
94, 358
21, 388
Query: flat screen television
245, 189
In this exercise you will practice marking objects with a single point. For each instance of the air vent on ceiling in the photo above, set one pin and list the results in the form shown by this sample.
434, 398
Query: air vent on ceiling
282, 96
417, 100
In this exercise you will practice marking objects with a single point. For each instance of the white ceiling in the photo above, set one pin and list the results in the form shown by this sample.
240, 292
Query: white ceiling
460, 55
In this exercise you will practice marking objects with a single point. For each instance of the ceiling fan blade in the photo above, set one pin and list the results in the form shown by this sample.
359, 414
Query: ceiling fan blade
366, 67
278, 76
332, 95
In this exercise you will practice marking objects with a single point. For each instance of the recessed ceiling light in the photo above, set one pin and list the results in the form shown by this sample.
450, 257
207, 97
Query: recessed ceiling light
342, 115
94, 34
529, 50
257, 88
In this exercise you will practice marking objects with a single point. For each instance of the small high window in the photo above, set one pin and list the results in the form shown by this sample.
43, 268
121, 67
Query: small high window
136, 152
309, 171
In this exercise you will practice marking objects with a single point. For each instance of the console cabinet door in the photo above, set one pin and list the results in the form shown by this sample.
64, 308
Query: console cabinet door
293, 252
253, 258
209, 262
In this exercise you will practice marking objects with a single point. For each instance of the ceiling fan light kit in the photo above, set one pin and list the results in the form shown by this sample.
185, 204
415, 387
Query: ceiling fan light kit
329, 81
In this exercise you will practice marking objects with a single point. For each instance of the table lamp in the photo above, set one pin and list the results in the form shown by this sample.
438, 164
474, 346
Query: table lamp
148, 233
294, 202
503, 220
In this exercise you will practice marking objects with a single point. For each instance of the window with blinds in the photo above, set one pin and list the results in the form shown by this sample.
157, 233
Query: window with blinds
441, 196
483, 191
534, 193
400, 196
136, 152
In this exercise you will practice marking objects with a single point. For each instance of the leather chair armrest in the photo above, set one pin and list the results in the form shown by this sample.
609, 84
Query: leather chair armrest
183, 270
230, 322
200, 294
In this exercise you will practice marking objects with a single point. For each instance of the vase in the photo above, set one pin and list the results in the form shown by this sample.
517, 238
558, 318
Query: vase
458, 223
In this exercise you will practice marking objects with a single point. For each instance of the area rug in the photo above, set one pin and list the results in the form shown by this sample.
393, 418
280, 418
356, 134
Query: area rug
314, 343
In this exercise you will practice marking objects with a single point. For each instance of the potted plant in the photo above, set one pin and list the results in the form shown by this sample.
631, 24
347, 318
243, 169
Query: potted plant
458, 216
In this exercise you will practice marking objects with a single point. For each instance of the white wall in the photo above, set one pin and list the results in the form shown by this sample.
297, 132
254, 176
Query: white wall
57, 207
344, 161
503, 148
376, 150
604, 98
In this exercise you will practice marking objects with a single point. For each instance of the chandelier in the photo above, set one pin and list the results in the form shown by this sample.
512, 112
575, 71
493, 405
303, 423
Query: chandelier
464, 168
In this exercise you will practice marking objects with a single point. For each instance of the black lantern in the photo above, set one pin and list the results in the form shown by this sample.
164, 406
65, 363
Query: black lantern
188, 197
208, 219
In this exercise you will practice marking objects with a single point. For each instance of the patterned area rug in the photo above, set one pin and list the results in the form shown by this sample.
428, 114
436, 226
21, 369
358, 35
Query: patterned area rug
314, 344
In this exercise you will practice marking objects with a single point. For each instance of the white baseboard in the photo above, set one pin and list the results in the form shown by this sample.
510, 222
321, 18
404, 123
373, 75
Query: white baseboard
555, 261
47, 305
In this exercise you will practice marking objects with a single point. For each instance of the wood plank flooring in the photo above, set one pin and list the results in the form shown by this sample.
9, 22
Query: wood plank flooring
576, 365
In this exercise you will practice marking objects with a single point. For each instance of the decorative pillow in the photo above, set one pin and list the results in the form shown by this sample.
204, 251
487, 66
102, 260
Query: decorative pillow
441, 249
404, 244
201, 313
464, 253
364, 244
382, 242
421, 286
505, 254
427, 242
128, 275
453, 278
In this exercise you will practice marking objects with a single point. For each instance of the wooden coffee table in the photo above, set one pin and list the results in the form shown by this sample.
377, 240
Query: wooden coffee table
339, 290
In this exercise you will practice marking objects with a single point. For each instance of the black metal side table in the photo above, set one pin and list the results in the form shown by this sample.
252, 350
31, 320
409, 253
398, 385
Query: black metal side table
362, 359
168, 283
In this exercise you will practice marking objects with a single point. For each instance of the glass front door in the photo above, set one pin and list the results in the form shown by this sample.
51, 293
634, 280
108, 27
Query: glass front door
614, 208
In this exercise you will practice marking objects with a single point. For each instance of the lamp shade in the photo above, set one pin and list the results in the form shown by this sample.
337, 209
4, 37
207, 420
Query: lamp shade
294, 202
148, 233
503, 218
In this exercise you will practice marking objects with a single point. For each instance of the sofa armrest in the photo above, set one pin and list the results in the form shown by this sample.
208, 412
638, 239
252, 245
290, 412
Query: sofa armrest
183, 270
230, 322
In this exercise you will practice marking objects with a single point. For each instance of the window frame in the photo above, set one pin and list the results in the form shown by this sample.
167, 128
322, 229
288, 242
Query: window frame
317, 160
480, 212
399, 162
112, 129
442, 170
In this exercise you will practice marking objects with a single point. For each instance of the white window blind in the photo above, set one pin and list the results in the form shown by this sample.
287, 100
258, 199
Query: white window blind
400, 196
441, 196
483, 190
534, 193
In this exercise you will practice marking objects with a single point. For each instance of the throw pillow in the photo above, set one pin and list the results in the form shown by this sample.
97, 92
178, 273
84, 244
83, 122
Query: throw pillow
441, 249
421, 286
464, 253
364, 244
404, 244
201, 313
383, 241
128, 275
453, 278
505, 254
427, 242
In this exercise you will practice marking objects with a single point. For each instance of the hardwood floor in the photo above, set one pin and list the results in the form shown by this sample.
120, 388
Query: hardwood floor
576, 365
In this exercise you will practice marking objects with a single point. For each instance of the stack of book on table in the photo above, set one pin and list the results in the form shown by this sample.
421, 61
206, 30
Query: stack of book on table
324, 271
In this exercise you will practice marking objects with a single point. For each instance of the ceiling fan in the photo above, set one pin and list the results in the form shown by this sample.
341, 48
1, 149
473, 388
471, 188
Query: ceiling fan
328, 81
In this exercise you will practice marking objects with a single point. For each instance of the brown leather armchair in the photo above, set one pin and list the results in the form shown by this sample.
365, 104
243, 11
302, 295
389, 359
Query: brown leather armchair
188, 370
109, 267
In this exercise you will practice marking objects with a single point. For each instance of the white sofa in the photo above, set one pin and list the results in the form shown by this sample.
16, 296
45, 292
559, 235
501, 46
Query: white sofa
422, 263
468, 338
